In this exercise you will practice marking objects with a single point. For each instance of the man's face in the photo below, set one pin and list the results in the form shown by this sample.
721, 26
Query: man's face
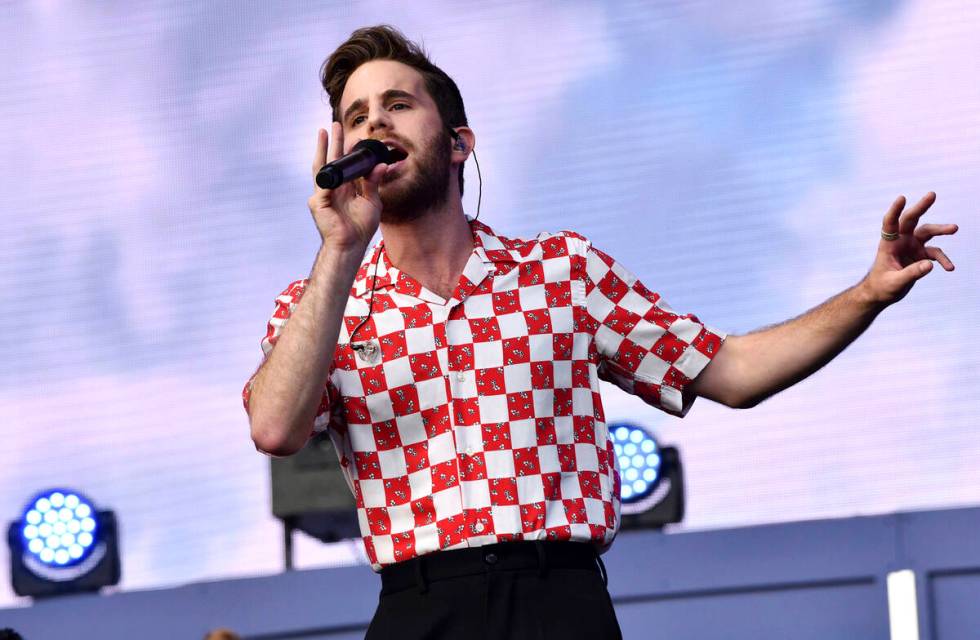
387, 101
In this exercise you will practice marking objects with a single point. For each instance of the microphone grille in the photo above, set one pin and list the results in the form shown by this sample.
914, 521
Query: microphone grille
376, 147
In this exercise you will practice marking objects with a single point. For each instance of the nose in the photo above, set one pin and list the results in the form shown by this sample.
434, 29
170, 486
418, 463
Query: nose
378, 118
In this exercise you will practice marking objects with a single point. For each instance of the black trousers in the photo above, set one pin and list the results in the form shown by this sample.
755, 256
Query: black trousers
508, 591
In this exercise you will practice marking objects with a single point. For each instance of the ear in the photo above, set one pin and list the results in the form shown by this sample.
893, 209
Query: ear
463, 143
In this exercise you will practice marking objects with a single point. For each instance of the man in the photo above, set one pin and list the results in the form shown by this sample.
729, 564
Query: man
457, 370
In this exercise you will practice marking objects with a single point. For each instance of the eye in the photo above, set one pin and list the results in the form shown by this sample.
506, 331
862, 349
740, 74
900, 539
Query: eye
356, 120
399, 104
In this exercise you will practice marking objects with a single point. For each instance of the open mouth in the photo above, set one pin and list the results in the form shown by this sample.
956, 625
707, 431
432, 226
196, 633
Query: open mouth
395, 157
395, 154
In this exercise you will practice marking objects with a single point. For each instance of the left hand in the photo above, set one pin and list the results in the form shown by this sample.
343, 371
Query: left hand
901, 262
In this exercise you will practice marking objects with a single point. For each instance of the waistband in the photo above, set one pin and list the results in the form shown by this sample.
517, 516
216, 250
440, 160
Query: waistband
503, 556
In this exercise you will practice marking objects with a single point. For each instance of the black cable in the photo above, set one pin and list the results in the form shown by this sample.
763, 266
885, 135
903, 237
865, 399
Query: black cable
366, 347
479, 193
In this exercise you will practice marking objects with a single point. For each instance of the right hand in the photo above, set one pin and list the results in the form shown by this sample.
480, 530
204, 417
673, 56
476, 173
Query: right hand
348, 216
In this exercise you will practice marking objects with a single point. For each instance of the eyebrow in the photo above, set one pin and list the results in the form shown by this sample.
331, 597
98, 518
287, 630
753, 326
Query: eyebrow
390, 94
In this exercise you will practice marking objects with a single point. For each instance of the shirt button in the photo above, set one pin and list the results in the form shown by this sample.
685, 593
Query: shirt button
478, 527
490, 558
461, 376
469, 451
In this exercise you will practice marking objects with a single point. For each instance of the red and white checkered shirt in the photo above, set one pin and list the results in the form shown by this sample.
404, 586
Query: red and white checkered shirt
479, 418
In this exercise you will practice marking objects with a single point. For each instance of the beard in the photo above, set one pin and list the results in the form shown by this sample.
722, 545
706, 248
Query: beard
423, 190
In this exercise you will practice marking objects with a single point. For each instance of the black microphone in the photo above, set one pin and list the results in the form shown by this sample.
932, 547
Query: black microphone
365, 156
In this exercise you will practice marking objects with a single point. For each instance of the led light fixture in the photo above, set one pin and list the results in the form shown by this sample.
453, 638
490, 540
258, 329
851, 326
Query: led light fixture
62, 544
651, 478
639, 462
310, 494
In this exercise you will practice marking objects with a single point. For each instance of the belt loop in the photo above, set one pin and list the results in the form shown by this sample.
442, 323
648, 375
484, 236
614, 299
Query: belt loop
420, 574
602, 570
542, 560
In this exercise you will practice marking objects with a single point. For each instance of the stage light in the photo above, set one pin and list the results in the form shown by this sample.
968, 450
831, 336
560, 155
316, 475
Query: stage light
310, 494
639, 462
651, 478
62, 544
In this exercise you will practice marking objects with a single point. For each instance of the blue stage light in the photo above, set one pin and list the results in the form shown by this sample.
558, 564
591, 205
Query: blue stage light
58, 528
639, 461
651, 478
62, 544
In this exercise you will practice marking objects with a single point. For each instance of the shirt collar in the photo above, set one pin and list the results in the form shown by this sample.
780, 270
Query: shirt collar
491, 254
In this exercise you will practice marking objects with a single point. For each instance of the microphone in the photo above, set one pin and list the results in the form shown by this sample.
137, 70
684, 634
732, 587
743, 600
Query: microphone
365, 156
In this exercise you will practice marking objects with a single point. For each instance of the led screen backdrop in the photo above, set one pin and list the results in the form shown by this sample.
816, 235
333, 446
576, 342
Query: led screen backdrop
737, 156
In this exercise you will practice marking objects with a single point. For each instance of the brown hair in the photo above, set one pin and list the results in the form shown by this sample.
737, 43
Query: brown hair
384, 42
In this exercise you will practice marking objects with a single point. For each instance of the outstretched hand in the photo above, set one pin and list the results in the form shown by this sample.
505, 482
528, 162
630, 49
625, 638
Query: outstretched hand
903, 257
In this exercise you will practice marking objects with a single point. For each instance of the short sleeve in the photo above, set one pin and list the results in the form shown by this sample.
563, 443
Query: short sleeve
285, 305
644, 347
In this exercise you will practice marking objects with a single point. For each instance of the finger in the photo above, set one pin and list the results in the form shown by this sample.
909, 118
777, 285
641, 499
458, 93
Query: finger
927, 232
370, 183
916, 270
911, 217
939, 256
320, 155
890, 222
336, 148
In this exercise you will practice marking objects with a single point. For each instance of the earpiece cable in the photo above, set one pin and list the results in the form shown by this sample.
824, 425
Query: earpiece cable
479, 201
